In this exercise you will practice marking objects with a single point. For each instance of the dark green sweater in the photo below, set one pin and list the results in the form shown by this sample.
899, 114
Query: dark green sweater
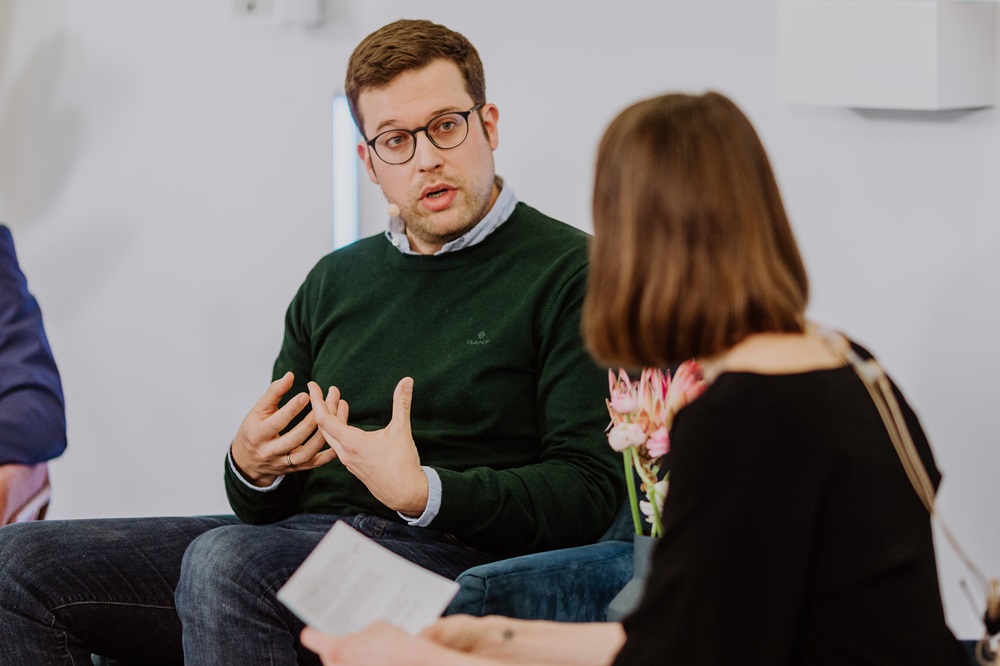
507, 406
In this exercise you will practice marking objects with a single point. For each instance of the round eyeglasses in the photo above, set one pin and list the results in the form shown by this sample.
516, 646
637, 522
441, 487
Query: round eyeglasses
446, 131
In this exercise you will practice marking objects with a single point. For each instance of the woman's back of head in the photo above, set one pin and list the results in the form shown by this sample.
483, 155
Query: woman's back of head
693, 250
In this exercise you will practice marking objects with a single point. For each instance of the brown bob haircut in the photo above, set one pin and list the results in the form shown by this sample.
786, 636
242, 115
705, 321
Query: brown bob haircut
408, 45
692, 248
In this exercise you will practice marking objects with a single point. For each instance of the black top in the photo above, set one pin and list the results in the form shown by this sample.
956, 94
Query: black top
791, 534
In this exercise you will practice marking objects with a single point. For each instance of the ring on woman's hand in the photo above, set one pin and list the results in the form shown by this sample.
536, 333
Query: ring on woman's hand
288, 459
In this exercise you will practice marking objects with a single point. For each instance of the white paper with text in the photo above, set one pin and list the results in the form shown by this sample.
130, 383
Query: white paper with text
349, 581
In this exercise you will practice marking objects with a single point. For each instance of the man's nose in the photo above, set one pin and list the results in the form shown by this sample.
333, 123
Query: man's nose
426, 155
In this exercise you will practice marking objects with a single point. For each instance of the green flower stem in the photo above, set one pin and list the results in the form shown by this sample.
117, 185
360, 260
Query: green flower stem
649, 481
628, 456
647, 478
657, 529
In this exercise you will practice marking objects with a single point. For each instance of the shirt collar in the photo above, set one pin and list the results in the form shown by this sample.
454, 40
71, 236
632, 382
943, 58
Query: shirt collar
497, 215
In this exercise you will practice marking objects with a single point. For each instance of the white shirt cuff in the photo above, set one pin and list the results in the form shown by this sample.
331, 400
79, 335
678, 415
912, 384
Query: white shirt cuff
433, 500
265, 489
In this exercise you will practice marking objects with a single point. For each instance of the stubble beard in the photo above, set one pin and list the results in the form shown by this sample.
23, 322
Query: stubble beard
471, 208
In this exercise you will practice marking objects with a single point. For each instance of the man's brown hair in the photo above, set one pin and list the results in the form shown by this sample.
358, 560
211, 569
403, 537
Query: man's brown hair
692, 250
407, 45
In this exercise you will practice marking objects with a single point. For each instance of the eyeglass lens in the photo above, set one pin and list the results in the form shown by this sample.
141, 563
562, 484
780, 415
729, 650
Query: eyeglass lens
445, 131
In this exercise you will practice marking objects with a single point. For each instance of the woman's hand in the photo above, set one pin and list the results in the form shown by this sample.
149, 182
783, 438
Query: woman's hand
510, 641
378, 645
486, 636
462, 640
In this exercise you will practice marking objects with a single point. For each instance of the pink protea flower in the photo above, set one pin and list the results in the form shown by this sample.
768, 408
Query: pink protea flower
688, 383
626, 435
642, 413
658, 444
660, 493
623, 403
623, 393
653, 392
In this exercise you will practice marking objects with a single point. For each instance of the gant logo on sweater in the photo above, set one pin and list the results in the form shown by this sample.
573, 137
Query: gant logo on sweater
481, 339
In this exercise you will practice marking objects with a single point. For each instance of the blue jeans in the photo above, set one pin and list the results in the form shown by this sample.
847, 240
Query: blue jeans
175, 590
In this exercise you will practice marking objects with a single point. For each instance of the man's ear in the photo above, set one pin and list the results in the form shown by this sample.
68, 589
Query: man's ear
491, 116
365, 156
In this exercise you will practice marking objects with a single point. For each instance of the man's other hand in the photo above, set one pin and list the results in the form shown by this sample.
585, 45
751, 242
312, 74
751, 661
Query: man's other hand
262, 453
386, 460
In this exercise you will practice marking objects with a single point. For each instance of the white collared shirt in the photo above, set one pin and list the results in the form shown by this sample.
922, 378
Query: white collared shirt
497, 215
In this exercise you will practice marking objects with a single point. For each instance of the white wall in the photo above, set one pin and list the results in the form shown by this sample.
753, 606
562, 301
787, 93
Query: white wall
166, 171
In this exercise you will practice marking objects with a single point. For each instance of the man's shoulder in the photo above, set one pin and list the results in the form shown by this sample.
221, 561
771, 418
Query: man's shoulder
349, 263
10, 271
363, 247
362, 250
546, 237
6, 241
546, 224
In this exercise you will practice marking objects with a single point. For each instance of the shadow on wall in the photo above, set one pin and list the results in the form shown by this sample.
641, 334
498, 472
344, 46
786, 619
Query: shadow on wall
38, 140
40, 144
979, 116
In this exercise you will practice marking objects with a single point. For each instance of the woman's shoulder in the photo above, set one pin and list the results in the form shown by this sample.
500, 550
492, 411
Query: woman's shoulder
745, 406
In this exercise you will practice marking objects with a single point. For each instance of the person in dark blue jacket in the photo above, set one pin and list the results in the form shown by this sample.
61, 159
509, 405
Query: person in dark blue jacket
32, 410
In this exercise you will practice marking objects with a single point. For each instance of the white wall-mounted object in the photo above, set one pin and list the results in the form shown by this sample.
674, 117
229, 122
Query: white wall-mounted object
280, 13
887, 54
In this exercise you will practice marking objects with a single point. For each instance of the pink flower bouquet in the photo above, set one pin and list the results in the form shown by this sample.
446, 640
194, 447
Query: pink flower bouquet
642, 413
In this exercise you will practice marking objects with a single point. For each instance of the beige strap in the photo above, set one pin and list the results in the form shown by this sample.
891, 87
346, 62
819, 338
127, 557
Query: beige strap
878, 386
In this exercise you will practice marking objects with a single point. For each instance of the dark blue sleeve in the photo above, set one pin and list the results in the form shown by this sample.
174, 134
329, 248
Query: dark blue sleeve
32, 412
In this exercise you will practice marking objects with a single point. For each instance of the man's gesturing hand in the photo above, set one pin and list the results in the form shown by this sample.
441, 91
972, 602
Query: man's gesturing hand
262, 453
386, 460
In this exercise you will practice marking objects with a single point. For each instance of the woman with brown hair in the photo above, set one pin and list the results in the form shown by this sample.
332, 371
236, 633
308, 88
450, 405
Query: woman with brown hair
792, 534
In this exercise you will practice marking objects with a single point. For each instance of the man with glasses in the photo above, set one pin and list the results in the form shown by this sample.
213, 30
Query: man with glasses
464, 418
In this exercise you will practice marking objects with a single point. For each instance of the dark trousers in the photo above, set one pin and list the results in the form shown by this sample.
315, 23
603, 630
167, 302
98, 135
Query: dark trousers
175, 590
